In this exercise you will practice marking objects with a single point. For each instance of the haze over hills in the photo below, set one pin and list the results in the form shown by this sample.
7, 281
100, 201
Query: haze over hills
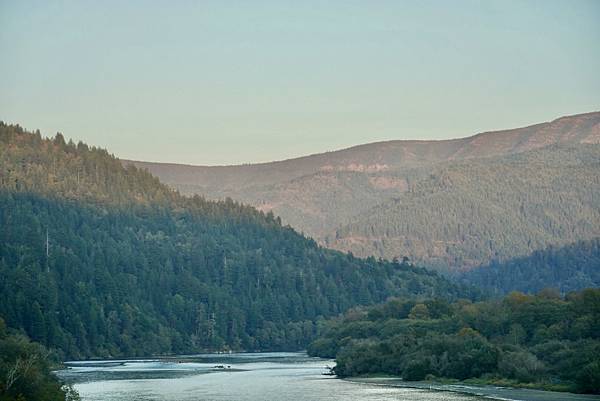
452, 203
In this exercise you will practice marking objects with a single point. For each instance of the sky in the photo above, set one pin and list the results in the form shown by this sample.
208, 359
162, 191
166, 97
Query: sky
229, 82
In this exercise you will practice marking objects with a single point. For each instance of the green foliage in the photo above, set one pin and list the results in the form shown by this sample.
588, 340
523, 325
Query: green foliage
53, 167
419, 311
132, 268
588, 379
526, 339
521, 365
25, 371
567, 268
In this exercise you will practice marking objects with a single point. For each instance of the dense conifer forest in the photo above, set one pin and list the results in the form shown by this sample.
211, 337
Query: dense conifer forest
542, 340
98, 260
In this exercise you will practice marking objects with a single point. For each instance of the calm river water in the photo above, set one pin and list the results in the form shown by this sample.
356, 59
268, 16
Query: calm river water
243, 377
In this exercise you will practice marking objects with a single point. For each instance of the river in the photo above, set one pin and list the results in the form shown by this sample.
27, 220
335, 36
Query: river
237, 377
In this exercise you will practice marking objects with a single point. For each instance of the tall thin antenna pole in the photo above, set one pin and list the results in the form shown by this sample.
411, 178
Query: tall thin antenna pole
47, 250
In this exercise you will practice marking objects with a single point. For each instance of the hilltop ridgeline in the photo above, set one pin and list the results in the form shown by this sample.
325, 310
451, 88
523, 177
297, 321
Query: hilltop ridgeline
454, 204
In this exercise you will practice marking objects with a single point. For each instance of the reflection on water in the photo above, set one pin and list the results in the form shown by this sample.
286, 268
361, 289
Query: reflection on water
242, 377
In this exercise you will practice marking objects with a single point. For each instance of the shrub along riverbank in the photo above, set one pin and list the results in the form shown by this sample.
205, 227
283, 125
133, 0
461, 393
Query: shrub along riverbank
25, 370
542, 341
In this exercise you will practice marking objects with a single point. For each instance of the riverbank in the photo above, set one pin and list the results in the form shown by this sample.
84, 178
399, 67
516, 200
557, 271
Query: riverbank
487, 391
267, 376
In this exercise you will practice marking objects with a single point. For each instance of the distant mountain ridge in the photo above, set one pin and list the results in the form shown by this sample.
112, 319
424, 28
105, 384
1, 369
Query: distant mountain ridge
349, 199
386, 155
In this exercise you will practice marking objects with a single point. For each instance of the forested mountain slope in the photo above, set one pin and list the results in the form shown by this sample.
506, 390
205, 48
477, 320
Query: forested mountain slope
469, 212
366, 199
569, 268
101, 260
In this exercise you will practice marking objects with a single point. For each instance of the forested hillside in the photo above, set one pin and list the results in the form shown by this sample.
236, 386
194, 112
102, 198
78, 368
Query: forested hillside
537, 341
567, 268
468, 212
101, 260
452, 204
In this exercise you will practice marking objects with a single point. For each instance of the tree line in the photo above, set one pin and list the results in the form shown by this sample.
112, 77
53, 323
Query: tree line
544, 340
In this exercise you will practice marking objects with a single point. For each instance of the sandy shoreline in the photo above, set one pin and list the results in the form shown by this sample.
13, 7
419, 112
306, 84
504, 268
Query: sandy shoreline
492, 392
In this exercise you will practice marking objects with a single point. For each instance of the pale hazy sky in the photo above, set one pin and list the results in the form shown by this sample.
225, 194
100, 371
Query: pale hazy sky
222, 82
